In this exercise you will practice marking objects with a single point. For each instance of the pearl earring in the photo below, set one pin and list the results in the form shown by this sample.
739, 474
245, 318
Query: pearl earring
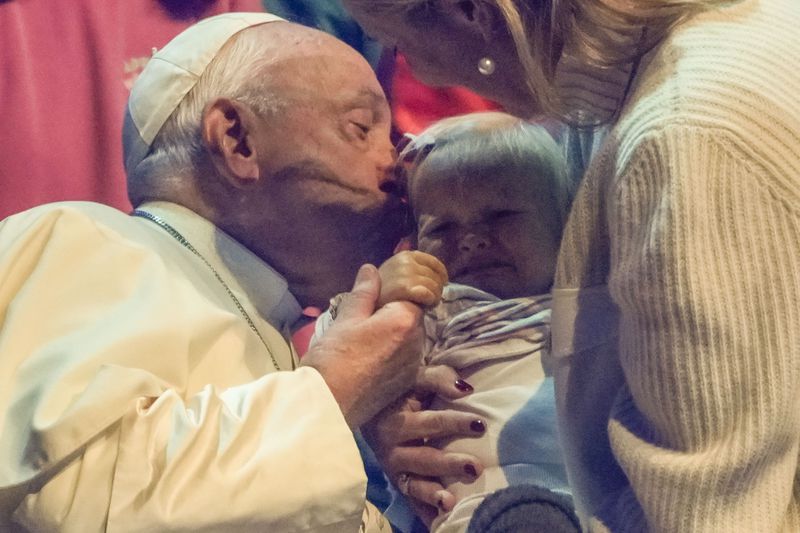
486, 66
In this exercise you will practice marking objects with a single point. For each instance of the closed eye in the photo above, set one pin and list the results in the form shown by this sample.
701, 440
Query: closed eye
503, 214
438, 229
361, 130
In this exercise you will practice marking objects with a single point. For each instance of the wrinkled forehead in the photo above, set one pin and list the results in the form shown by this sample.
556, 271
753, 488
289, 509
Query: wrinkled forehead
322, 67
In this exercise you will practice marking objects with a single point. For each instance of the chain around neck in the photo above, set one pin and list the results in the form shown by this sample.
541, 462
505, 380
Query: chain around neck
160, 222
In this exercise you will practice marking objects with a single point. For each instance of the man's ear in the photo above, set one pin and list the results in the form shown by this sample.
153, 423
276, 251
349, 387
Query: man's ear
228, 129
476, 15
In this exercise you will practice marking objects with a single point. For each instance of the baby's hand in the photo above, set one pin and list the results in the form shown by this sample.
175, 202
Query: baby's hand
413, 276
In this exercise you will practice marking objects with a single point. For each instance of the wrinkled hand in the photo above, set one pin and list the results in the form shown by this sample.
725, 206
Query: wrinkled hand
412, 276
399, 433
368, 358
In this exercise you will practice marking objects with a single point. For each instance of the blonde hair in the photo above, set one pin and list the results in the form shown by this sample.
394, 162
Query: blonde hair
466, 143
600, 33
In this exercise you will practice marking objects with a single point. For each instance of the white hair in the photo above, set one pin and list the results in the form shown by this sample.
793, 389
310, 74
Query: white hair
490, 139
178, 148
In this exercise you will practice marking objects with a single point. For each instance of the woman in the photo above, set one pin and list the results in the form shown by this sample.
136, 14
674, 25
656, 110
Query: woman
677, 299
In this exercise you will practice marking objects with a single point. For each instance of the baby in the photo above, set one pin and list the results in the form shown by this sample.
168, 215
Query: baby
489, 195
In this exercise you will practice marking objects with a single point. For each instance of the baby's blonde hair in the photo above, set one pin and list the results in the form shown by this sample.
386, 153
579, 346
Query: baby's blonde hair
491, 139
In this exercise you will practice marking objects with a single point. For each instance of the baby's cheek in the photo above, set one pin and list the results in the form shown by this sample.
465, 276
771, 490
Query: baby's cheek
433, 246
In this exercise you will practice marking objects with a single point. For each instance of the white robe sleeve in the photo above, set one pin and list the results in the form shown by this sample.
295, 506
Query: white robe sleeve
130, 400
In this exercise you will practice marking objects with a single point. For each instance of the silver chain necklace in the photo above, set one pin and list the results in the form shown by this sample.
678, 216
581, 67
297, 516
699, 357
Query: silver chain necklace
160, 222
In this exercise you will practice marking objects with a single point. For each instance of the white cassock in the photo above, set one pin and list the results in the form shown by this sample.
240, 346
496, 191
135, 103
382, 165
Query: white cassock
134, 396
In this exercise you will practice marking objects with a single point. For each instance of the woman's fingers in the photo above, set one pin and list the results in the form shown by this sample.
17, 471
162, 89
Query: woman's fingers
429, 462
426, 490
410, 426
442, 381
426, 513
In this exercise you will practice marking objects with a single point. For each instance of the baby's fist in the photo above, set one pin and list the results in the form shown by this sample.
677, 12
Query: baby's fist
413, 276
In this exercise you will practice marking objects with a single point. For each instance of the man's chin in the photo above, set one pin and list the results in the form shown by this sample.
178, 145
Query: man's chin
373, 229
388, 229
390, 214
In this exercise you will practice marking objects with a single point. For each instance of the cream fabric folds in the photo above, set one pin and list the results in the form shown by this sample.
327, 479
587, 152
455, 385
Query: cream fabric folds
689, 215
134, 397
499, 347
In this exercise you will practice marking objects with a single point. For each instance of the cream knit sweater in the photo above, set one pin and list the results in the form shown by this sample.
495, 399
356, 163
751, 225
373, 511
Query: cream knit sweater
676, 320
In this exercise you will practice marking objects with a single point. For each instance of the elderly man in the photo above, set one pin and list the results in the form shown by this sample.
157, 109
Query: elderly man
146, 379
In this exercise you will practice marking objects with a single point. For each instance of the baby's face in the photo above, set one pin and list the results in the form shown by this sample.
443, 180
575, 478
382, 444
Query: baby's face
491, 230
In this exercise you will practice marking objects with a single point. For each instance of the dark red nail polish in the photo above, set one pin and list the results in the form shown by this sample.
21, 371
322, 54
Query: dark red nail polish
440, 503
463, 386
477, 426
470, 470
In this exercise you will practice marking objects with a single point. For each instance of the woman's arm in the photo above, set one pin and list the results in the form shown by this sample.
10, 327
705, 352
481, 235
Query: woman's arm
705, 269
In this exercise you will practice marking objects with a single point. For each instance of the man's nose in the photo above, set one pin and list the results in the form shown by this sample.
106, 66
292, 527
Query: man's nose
473, 241
390, 180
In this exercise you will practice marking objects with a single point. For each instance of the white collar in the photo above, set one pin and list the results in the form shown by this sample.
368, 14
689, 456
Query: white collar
245, 273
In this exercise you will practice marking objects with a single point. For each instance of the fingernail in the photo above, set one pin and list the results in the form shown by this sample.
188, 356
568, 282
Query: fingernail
440, 496
363, 272
470, 470
463, 386
477, 426
440, 504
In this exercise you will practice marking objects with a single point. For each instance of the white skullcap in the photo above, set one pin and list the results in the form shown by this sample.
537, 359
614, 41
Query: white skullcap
170, 75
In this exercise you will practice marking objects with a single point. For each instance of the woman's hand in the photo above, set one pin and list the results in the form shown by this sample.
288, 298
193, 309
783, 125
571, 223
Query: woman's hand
398, 436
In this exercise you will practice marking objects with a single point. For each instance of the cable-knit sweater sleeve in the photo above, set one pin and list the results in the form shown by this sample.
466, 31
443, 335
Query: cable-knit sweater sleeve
704, 247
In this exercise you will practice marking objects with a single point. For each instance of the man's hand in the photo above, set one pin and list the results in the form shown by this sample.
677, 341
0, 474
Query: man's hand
399, 433
412, 276
368, 358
